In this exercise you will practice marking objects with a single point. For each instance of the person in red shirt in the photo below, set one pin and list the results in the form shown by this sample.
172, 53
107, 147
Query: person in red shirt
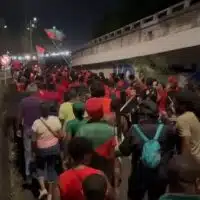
60, 88
97, 90
161, 98
173, 84
48, 94
107, 91
71, 181
21, 84
95, 187
65, 83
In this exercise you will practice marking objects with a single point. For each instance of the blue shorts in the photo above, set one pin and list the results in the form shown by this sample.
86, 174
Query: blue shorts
46, 162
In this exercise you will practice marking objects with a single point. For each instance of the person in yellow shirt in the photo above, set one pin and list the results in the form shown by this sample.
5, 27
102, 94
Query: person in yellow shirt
66, 109
188, 124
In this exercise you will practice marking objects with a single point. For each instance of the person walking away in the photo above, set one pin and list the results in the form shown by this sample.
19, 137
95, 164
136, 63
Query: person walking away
187, 109
184, 179
95, 187
151, 145
73, 126
72, 182
29, 111
102, 136
66, 111
47, 131
60, 88
98, 91
162, 98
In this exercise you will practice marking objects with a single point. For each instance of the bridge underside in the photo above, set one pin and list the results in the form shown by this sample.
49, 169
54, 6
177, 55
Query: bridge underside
182, 58
172, 42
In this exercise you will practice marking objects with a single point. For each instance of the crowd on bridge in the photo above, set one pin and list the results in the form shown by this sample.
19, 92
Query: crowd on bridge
87, 123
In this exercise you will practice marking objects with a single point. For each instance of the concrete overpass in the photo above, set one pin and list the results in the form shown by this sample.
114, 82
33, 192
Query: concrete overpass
170, 30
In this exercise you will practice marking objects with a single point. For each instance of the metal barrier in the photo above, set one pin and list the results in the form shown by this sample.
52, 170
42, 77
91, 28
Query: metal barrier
140, 24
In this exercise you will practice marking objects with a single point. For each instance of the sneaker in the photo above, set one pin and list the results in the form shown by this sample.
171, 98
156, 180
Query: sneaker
43, 193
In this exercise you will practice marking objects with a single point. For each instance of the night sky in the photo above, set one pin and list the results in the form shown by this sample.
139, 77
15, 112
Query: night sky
75, 17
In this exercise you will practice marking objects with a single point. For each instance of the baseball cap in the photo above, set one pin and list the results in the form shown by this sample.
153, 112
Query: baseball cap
94, 108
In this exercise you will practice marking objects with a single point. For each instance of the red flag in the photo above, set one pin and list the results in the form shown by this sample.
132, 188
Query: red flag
51, 34
55, 34
40, 50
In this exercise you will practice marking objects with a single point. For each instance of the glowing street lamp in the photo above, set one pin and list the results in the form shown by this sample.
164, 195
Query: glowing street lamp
67, 53
5, 27
31, 26
34, 58
20, 58
35, 19
54, 27
27, 57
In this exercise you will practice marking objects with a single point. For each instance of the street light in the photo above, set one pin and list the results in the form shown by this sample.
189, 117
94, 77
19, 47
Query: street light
31, 26
5, 26
34, 58
35, 19
54, 28
27, 57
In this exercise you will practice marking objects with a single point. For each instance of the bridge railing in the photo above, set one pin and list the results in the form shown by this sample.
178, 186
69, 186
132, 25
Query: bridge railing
140, 24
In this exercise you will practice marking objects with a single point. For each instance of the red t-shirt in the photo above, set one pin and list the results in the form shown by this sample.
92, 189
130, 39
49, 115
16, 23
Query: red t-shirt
65, 83
129, 92
106, 103
118, 94
49, 96
163, 100
70, 183
20, 87
61, 90
107, 91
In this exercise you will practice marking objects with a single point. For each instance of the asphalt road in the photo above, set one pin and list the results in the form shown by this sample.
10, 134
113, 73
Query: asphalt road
122, 192
6, 172
5, 192
125, 174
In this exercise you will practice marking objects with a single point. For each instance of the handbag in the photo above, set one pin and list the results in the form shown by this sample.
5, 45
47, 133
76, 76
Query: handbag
49, 129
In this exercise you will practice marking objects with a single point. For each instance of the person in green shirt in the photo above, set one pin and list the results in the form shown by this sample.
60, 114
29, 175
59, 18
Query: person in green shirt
73, 126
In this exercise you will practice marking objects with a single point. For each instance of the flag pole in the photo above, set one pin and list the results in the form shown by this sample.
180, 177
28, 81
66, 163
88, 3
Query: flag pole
59, 50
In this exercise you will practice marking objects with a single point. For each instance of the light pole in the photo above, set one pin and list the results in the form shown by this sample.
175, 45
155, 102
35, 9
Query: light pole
30, 28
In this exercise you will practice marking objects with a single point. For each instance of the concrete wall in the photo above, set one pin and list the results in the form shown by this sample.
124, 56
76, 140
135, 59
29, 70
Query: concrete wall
174, 31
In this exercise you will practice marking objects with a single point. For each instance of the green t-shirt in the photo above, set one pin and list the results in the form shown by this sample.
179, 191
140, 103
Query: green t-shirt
101, 134
73, 126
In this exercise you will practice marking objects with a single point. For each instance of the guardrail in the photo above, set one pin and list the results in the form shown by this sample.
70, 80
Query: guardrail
142, 23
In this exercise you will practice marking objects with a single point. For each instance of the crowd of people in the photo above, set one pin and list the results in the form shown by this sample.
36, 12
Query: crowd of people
88, 123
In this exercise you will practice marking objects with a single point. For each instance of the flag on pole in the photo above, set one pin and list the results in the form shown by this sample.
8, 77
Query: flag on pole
40, 50
55, 34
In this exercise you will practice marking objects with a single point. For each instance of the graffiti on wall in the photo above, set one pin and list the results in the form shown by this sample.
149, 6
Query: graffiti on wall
126, 69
